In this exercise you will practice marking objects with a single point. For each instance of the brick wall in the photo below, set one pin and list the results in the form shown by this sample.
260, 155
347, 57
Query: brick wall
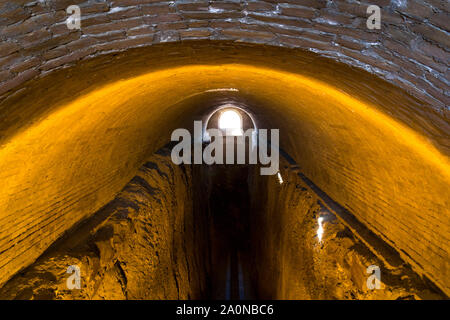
410, 50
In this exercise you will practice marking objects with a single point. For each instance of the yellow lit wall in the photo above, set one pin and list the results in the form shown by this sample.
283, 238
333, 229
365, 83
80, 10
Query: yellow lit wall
76, 156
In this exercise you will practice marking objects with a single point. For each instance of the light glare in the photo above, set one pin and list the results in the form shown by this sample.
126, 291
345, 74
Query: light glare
320, 229
231, 122
280, 178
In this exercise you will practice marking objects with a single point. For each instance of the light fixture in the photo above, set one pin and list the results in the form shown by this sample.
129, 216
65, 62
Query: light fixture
231, 122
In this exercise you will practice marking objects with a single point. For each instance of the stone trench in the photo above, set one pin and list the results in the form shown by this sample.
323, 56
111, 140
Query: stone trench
87, 178
159, 239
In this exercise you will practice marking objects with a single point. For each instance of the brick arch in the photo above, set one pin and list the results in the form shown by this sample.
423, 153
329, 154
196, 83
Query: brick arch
410, 50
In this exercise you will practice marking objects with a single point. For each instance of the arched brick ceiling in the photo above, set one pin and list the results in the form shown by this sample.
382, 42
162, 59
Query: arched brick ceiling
410, 50
70, 139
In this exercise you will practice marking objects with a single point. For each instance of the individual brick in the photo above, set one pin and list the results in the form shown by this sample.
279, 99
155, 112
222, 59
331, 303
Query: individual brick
25, 65
247, 34
8, 47
300, 12
193, 6
260, 6
11, 13
195, 33
154, 9
17, 80
432, 33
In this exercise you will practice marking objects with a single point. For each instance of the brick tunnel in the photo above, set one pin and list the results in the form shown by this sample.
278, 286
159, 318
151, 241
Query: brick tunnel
88, 182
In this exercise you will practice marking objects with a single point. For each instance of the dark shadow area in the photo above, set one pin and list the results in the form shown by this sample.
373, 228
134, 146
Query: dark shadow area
229, 209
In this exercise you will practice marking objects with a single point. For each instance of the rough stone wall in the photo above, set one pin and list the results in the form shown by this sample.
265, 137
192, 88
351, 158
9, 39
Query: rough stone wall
154, 242
410, 50
145, 244
292, 262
